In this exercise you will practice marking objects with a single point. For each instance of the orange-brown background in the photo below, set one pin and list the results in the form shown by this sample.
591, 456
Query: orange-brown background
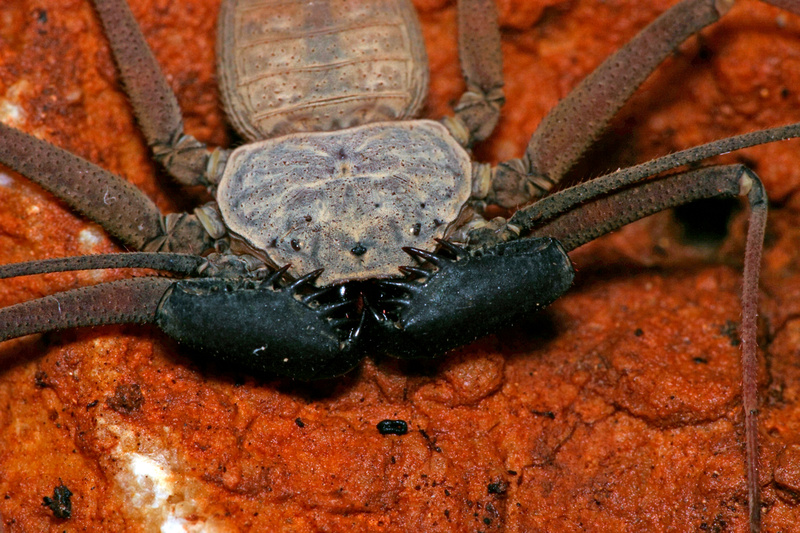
604, 427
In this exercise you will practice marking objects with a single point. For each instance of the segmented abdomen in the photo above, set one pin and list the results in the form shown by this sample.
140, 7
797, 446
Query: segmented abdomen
299, 65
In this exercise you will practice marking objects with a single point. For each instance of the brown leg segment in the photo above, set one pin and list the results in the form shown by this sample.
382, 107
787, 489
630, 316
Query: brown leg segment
579, 119
122, 209
154, 103
600, 215
532, 216
177, 263
481, 60
127, 301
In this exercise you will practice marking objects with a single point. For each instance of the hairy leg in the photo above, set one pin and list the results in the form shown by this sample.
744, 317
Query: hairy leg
122, 209
573, 125
154, 103
478, 109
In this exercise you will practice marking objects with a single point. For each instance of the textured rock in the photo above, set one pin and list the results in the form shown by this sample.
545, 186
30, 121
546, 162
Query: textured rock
616, 410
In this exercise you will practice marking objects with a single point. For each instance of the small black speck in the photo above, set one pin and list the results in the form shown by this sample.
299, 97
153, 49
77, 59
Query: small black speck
295, 245
40, 378
273, 243
731, 330
307, 218
92, 404
299, 423
41, 16
415, 229
785, 93
700, 360
512, 472
392, 427
487, 521
342, 154
705, 53
422, 205
447, 513
660, 250
499, 487
358, 250
638, 332
60, 503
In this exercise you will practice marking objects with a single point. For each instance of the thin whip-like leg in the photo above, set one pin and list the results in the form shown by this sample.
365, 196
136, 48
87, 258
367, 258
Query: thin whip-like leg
154, 103
478, 109
578, 120
122, 209
600, 215
176, 263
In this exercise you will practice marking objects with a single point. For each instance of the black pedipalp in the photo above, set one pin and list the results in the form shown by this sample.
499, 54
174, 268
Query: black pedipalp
263, 328
467, 296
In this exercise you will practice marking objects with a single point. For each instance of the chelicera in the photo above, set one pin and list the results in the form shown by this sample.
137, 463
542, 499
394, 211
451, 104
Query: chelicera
295, 263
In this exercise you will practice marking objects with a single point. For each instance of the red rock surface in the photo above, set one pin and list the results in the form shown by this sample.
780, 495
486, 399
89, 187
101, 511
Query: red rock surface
616, 410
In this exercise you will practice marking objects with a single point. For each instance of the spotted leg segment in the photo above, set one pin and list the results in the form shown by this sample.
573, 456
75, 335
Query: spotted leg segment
122, 209
154, 103
117, 302
578, 120
481, 60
